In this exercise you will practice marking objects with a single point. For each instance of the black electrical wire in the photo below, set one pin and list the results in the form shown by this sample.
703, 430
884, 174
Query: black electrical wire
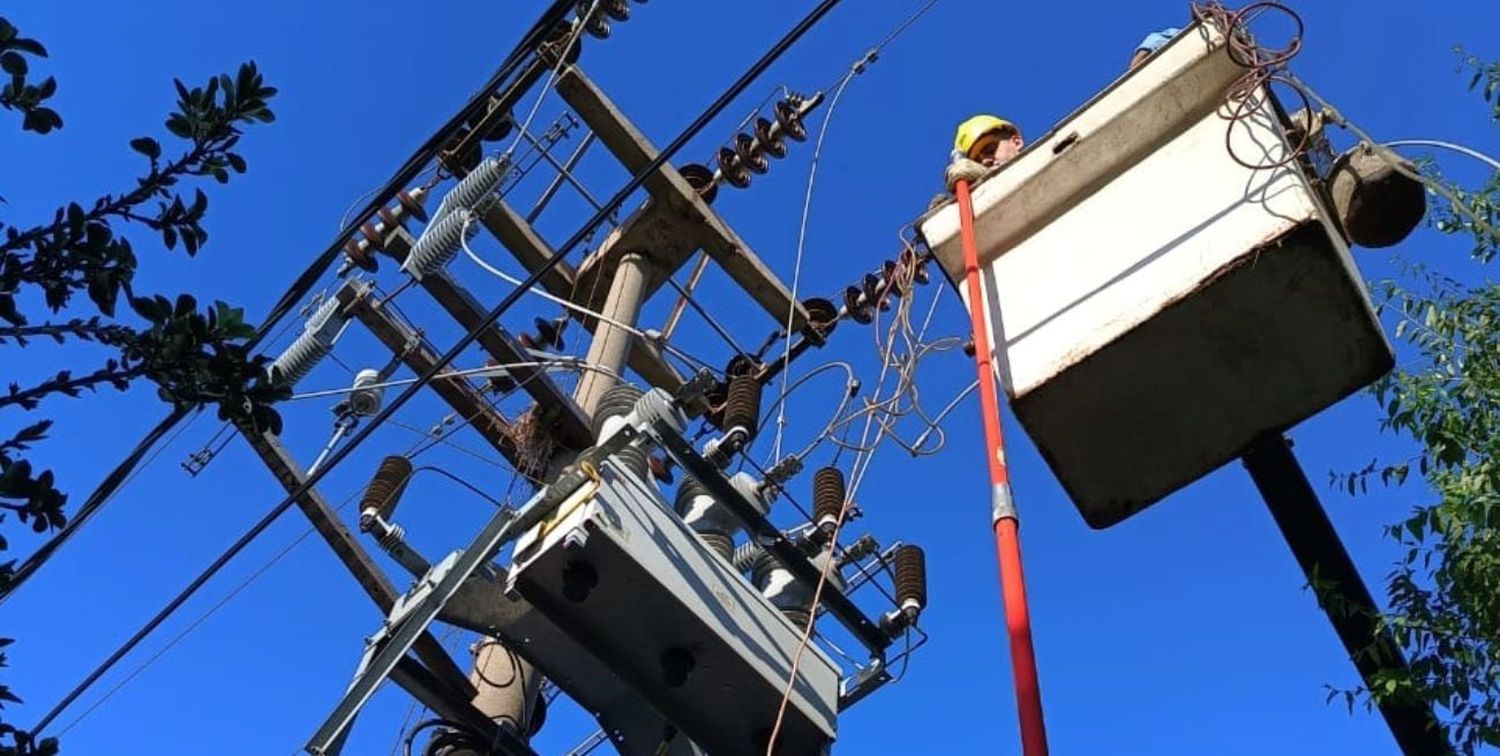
390, 409
299, 289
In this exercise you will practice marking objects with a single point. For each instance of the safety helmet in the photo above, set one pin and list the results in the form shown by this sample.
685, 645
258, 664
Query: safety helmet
971, 130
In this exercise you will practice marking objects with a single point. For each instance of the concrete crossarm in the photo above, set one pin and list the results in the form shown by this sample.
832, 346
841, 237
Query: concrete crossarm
668, 187
564, 419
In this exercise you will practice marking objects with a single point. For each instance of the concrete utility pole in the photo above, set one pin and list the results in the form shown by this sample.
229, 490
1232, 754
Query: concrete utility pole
611, 344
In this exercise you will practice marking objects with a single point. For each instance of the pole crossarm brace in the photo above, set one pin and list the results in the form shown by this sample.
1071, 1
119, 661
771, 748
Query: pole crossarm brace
419, 357
407, 622
518, 236
564, 420
354, 557
676, 205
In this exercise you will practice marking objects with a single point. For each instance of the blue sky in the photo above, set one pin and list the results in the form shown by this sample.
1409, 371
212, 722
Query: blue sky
1182, 631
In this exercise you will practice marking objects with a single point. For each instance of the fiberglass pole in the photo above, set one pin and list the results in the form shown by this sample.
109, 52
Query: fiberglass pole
1003, 510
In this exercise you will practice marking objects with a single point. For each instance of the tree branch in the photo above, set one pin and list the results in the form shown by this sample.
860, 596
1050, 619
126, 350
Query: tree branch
114, 374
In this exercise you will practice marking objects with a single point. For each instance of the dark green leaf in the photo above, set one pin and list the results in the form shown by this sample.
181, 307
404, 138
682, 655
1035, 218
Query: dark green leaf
13, 63
146, 146
29, 46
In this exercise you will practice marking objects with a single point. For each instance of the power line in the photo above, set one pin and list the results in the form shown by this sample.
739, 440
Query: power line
303, 284
636, 181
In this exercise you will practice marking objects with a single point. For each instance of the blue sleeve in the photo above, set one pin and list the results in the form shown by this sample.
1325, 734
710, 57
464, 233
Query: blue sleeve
1156, 39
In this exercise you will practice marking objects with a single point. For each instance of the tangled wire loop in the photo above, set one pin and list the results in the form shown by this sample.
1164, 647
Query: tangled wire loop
1263, 67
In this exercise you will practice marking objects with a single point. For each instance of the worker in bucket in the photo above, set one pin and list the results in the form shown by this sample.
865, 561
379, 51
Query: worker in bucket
981, 144
1153, 42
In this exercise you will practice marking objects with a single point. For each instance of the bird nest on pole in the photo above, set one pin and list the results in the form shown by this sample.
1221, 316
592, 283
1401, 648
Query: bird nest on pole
534, 443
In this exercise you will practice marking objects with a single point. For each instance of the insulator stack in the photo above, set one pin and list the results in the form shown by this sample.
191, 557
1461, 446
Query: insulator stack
742, 407
614, 405
385, 489
361, 251
706, 517
475, 188
785, 592
312, 345
910, 566
749, 153
828, 497
439, 243
874, 290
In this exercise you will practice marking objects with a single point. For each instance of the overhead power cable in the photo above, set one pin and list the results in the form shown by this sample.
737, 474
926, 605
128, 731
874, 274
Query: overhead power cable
442, 363
299, 289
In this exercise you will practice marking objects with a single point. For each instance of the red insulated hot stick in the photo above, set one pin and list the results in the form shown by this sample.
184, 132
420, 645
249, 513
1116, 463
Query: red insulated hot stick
1002, 506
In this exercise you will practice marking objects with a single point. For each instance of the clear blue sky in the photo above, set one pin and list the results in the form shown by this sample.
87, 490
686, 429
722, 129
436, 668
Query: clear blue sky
1183, 631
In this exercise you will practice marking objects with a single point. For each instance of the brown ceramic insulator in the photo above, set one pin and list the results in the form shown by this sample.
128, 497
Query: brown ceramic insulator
617, 10
892, 282
733, 168
374, 235
750, 153
910, 566
774, 145
413, 203
822, 317
359, 254
390, 217
742, 407
701, 179
828, 496
791, 120
859, 310
385, 489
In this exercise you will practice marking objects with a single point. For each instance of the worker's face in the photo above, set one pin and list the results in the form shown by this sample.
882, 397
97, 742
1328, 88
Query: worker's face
1139, 58
998, 148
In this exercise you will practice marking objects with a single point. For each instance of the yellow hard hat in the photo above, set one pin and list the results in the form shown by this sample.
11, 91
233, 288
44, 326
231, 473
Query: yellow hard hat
971, 130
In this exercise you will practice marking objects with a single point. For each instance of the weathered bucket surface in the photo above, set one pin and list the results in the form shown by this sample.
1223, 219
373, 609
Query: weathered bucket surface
1154, 303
